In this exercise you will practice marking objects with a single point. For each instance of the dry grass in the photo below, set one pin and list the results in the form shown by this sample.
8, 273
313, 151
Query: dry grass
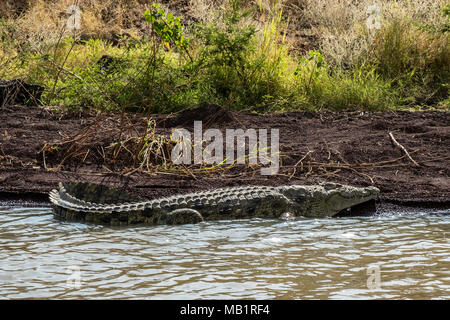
10, 9
360, 63
125, 149
201, 9
45, 20
112, 144
341, 24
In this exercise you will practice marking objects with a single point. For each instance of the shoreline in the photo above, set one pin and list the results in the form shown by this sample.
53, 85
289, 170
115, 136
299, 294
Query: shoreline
344, 147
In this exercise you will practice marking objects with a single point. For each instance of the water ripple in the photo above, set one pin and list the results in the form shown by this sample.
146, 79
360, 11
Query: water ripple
385, 257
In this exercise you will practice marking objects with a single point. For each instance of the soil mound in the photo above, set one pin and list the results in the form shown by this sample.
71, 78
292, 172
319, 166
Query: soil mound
210, 115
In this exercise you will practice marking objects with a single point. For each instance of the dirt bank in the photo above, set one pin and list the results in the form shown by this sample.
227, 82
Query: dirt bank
347, 147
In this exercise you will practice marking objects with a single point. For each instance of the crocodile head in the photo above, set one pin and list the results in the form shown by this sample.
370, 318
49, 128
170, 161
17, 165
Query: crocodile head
327, 199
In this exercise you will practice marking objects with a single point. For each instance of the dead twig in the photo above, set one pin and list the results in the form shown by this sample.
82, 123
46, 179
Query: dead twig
328, 149
300, 161
43, 157
362, 174
403, 148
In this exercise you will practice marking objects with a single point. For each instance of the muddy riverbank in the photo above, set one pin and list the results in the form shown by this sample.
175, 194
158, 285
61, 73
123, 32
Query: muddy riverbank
347, 147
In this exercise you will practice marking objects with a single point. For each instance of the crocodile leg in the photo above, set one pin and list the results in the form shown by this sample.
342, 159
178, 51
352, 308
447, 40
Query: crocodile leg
182, 216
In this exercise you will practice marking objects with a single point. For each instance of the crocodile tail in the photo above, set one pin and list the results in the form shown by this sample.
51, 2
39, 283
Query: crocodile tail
88, 196
61, 198
97, 193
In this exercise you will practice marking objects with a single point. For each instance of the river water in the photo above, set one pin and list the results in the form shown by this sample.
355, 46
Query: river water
390, 256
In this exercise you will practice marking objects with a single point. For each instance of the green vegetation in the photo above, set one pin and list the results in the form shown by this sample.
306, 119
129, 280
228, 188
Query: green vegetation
231, 62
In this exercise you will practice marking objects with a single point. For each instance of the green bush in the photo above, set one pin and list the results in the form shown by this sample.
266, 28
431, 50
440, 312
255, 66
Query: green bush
229, 62
237, 67
325, 86
416, 60
140, 82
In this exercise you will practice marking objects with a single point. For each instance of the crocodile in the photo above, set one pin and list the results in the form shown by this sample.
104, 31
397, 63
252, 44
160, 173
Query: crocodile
107, 205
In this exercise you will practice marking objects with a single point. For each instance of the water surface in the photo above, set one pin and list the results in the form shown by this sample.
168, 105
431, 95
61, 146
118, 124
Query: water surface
392, 256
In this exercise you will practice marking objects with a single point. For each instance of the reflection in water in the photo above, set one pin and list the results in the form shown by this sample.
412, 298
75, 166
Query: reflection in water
390, 256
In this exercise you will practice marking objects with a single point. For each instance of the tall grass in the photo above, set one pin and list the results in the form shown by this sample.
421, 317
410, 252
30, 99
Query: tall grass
238, 56
410, 49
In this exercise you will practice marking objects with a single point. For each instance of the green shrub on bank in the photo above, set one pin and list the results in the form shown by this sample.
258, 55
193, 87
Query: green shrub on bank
323, 86
133, 82
417, 61
240, 67
230, 63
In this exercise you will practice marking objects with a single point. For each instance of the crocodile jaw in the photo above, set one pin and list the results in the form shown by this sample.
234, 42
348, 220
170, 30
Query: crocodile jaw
341, 199
326, 199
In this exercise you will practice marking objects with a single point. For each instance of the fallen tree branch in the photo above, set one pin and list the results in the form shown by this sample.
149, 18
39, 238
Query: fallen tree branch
403, 148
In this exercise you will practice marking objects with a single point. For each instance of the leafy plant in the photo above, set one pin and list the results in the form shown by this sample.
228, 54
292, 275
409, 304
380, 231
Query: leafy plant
239, 66
167, 27
312, 64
